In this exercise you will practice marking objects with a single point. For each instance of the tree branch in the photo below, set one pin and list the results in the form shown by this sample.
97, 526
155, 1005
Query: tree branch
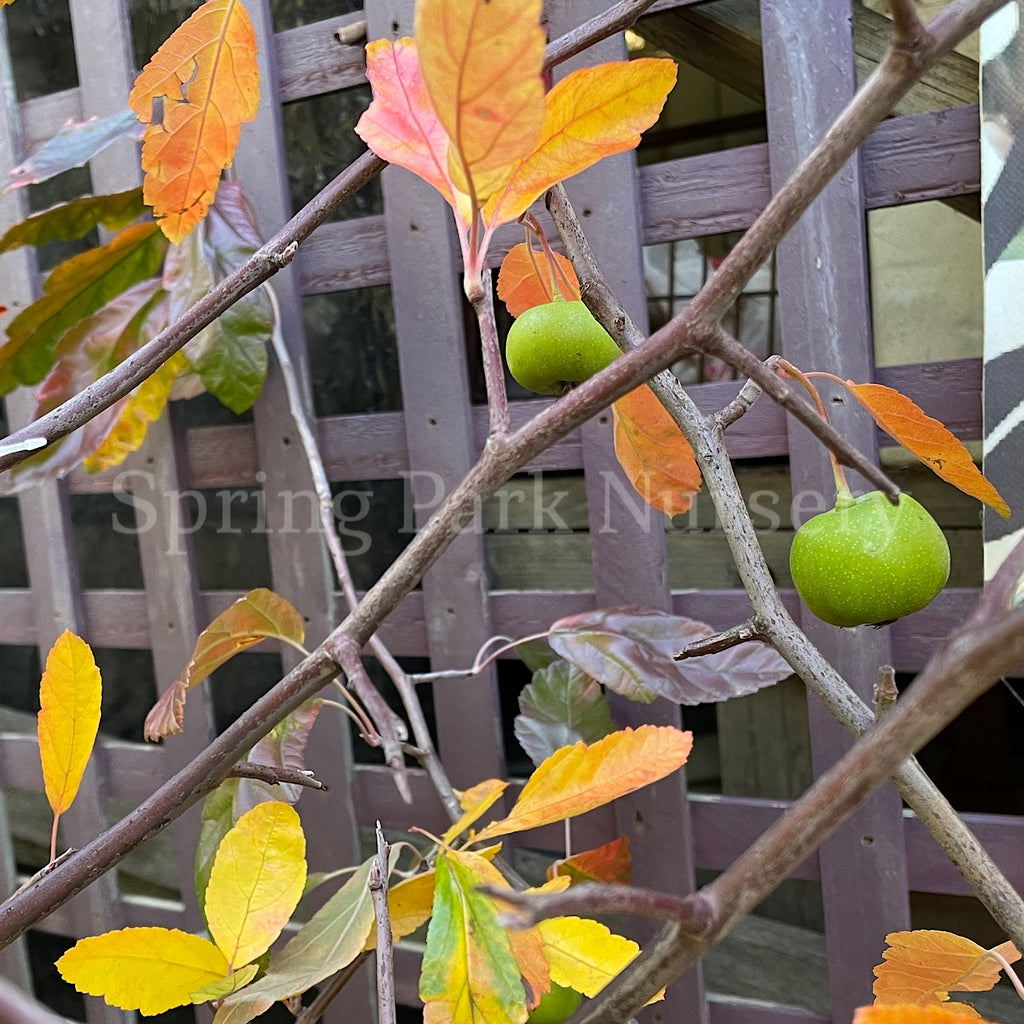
274, 775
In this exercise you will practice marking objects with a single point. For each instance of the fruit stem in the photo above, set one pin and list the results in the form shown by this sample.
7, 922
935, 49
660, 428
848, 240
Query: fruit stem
547, 285
844, 497
556, 275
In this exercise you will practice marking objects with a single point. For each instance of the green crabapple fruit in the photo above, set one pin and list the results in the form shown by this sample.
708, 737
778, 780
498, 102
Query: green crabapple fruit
869, 561
557, 345
556, 1006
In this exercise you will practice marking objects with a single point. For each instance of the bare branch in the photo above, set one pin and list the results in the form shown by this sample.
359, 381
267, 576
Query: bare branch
908, 31
616, 18
328, 990
274, 775
18, 1008
885, 692
592, 898
741, 634
385, 948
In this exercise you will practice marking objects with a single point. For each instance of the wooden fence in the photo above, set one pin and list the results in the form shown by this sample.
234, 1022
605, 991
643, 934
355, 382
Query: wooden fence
866, 872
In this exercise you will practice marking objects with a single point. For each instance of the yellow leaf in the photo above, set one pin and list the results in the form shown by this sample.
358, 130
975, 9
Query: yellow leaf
146, 969
69, 717
910, 1013
579, 778
584, 954
924, 966
232, 983
481, 61
475, 802
142, 407
193, 97
589, 114
256, 881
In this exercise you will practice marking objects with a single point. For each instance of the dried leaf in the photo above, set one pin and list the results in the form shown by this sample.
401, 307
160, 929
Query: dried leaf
519, 285
908, 1013
560, 706
256, 881
475, 802
653, 453
579, 778
469, 973
584, 954
481, 61
69, 718
630, 650
75, 289
194, 95
331, 939
609, 863
68, 221
167, 966
929, 440
249, 621
590, 114
74, 145
924, 966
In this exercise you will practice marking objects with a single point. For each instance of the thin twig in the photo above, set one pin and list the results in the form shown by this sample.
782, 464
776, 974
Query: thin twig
275, 775
592, 898
743, 402
328, 991
385, 948
616, 18
885, 693
482, 300
715, 644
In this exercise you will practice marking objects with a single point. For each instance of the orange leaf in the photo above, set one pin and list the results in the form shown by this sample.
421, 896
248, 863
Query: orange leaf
519, 285
924, 966
909, 1013
482, 61
69, 717
194, 95
579, 778
475, 802
929, 440
608, 863
589, 114
653, 453
251, 619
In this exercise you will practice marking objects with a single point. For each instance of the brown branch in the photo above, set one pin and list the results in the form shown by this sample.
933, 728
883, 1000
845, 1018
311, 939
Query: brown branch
497, 463
616, 18
385, 947
275, 775
18, 1008
741, 634
908, 31
328, 990
592, 898
712, 339
885, 694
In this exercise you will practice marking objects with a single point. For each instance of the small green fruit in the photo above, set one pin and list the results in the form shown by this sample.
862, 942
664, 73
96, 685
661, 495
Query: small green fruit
870, 561
556, 1006
557, 345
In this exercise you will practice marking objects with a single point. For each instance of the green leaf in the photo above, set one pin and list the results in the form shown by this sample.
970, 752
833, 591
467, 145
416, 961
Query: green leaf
331, 939
230, 355
470, 974
75, 144
217, 821
68, 221
536, 654
561, 705
75, 289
